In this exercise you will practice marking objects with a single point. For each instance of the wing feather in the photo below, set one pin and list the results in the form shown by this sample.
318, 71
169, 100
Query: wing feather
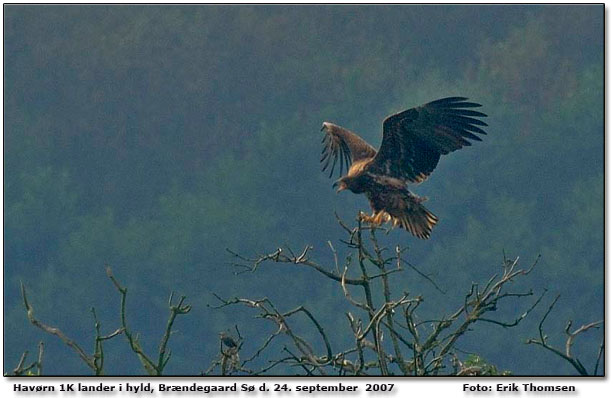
415, 139
343, 147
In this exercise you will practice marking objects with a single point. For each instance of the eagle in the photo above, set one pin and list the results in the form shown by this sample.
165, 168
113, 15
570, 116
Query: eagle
413, 142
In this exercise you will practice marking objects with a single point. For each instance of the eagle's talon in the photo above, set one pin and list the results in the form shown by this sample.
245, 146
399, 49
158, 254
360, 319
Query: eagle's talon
377, 218
381, 218
365, 217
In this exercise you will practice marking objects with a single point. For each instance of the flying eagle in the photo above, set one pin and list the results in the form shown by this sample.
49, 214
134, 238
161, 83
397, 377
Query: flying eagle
413, 142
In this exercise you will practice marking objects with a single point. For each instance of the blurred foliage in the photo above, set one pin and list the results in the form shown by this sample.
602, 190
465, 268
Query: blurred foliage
484, 368
151, 138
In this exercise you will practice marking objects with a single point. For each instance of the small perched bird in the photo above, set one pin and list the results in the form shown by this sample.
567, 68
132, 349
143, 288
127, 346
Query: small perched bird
230, 358
227, 340
413, 142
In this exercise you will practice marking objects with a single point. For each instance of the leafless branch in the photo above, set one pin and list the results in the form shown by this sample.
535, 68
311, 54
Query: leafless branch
21, 370
566, 354
89, 361
152, 368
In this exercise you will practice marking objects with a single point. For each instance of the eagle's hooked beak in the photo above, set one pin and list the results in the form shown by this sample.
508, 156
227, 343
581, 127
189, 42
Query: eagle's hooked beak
340, 185
323, 126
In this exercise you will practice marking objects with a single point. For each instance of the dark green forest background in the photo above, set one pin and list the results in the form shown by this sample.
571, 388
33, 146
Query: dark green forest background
152, 138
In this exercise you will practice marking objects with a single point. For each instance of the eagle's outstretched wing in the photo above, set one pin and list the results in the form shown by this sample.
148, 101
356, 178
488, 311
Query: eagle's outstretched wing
344, 147
415, 139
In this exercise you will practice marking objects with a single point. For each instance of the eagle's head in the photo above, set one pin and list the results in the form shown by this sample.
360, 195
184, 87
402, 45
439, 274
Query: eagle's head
353, 183
340, 184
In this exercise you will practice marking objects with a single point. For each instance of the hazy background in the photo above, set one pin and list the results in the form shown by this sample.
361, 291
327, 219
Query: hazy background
151, 138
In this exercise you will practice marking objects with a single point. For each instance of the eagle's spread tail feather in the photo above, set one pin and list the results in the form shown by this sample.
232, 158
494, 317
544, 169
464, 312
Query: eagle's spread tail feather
414, 217
404, 209
419, 221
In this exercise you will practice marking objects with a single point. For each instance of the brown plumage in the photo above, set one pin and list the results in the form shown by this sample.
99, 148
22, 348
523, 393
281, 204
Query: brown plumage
413, 142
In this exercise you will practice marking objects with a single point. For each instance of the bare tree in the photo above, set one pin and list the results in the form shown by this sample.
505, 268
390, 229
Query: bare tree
388, 338
386, 334
95, 361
